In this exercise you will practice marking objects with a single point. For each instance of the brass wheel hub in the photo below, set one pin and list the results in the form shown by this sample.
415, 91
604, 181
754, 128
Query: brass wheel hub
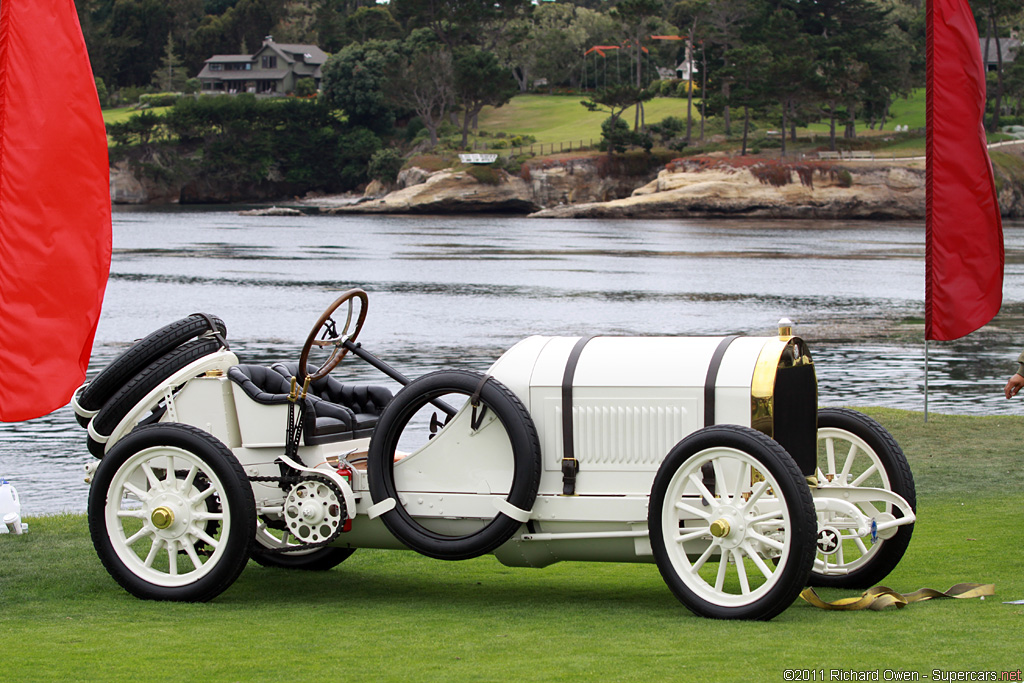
162, 517
720, 528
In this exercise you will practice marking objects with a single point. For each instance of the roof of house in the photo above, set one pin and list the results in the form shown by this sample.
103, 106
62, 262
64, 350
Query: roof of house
311, 53
1009, 46
229, 58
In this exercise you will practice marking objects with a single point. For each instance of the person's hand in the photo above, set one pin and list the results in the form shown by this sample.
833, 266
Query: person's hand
1014, 385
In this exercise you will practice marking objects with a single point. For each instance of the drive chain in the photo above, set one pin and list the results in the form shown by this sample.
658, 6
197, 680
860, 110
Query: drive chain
288, 481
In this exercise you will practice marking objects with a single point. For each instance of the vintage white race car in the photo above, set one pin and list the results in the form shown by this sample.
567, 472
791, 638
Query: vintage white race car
707, 456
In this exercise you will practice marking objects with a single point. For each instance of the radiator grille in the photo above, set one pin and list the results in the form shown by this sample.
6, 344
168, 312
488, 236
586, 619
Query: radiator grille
612, 435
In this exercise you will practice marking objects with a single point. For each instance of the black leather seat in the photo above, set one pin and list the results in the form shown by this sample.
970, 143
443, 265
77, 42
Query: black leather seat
324, 420
365, 401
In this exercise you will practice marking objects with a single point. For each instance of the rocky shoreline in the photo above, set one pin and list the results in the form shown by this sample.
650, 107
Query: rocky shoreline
890, 190
705, 186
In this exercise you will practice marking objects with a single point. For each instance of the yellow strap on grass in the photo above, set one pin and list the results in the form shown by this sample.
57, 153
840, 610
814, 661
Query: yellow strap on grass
880, 597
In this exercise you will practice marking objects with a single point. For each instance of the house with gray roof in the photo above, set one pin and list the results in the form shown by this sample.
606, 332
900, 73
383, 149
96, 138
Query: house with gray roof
1008, 46
274, 69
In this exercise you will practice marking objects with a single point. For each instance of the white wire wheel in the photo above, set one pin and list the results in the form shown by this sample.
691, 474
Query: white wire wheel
732, 524
171, 514
855, 451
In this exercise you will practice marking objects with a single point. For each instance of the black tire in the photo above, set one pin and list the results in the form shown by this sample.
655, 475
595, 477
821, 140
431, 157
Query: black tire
319, 560
522, 434
128, 396
143, 352
794, 530
867, 569
200, 461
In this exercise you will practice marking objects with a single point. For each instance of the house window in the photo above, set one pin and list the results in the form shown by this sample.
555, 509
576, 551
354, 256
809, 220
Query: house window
216, 67
269, 62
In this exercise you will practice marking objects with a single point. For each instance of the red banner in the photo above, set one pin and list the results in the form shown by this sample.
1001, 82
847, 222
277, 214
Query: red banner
964, 233
54, 207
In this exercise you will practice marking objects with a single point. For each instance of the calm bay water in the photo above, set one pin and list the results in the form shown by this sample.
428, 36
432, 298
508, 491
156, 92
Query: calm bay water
458, 291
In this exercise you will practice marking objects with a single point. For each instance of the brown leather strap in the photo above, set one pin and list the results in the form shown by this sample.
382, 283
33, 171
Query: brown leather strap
712, 379
570, 465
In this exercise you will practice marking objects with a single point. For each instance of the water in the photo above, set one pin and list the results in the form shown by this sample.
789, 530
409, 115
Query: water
457, 291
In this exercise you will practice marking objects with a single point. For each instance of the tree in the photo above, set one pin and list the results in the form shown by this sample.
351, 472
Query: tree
557, 41
298, 23
368, 23
996, 13
638, 19
355, 81
247, 23
725, 20
463, 22
101, 92
615, 100
424, 85
793, 75
479, 81
748, 70
171, 76
690, 14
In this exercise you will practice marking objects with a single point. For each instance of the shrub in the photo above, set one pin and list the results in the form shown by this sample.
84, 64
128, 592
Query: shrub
385, 165
102, 92
615, 135
684, 86
668, 128
484, 174
430, 162
305, 87
158, 99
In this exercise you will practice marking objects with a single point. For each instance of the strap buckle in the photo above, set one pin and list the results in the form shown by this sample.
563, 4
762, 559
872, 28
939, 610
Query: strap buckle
570, 468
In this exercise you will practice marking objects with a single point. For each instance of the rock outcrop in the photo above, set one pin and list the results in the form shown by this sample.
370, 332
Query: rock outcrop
127, 186
834, 192
451, 192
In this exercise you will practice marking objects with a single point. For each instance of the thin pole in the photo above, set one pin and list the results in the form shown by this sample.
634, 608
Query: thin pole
926, 381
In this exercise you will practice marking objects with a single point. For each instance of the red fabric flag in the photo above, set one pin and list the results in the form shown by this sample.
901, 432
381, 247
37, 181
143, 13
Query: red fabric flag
54, 207
964, 233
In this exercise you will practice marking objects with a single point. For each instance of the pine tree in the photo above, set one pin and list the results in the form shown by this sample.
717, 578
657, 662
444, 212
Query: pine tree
171, 75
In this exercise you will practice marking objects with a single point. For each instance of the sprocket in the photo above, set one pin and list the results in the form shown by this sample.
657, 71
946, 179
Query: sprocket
314, 511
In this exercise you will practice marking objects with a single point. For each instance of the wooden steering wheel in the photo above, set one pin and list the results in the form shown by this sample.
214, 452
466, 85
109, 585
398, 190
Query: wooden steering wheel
326, 334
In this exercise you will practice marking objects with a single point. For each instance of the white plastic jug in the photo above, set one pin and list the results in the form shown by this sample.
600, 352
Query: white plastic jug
10, 510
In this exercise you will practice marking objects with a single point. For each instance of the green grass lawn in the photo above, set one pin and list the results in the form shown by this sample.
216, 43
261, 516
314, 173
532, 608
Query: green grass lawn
561, 118
121, 114
398, 616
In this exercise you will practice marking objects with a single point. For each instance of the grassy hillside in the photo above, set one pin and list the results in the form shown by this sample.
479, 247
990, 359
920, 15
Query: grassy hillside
561, 118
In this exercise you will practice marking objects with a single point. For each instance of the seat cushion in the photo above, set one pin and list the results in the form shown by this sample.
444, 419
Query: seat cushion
260, 383
360, 398
322, 418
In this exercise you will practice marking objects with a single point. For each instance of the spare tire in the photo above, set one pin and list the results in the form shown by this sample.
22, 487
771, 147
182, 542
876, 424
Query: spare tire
141, 354
128, 396
522, 434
